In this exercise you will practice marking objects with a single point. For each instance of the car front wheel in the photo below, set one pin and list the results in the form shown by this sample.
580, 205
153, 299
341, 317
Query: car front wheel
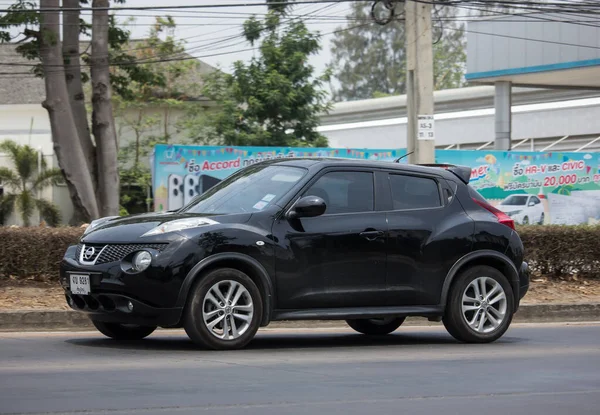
480, 305
119, 331
224, 311
376, 326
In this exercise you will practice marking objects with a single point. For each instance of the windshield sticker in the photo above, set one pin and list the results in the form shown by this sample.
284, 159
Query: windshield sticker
260, 205
268, 197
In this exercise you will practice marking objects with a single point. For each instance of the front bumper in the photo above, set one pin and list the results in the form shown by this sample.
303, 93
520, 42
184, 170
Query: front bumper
117, 308
147, 298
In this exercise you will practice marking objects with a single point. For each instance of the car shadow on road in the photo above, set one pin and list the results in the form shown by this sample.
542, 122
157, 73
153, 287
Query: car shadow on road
283, 341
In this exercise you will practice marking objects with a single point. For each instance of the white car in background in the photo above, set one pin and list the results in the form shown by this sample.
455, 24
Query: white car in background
523, 209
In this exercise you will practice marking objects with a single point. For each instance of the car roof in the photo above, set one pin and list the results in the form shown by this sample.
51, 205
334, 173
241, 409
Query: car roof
323, 162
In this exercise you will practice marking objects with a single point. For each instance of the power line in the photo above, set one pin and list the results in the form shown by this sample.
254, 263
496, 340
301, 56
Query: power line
186, 58
179, 7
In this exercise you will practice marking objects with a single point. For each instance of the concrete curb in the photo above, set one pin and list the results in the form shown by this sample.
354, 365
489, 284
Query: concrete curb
59, 320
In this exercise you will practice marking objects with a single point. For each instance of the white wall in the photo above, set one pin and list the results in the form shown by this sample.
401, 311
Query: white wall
573, 118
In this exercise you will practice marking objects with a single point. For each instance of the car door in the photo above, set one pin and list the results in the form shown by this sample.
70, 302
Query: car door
428, 231
337, 259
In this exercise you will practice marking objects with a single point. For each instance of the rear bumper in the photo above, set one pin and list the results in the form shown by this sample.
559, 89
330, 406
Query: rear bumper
523, 280
117, 308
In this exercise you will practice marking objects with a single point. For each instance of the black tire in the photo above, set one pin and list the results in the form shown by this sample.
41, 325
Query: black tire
526, 220
376, 327
119, 331
542, 218
194, 324
455, 321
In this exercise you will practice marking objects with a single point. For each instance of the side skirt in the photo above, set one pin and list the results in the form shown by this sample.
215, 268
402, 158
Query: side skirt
357, 313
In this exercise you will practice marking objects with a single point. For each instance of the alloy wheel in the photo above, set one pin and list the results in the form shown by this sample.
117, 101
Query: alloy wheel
227, 310
484, 304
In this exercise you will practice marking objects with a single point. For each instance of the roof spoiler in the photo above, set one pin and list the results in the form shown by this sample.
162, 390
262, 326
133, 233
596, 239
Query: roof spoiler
462, 172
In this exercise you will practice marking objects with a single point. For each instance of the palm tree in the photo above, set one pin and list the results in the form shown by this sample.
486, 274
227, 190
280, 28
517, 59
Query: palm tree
24, 182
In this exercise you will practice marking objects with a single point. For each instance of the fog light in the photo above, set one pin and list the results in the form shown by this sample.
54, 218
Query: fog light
129, 306
142, 260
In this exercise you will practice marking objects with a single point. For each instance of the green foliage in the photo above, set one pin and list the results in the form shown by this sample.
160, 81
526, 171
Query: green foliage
135, 187
25, 182
275, 99
146, 106
369, 60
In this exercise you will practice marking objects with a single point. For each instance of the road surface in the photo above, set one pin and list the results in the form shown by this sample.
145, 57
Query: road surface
534, 369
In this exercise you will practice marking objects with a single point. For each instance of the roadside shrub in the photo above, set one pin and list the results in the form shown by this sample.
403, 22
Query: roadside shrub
550, 250
555, 250
34, 251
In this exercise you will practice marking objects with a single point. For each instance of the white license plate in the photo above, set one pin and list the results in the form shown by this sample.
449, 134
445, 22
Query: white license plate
80, 284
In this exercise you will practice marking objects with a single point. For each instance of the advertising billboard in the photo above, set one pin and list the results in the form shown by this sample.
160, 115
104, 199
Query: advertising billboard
554, 187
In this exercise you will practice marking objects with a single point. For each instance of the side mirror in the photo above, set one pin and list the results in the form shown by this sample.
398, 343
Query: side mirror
531, 204
307, 207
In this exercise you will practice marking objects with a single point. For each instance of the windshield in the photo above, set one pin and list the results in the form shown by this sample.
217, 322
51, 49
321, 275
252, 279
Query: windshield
249, 190
515, 200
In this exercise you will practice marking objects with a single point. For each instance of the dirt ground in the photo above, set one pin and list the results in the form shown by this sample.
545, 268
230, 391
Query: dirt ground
37, 295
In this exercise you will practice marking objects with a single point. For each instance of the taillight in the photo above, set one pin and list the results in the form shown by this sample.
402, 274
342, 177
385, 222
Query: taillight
503, 218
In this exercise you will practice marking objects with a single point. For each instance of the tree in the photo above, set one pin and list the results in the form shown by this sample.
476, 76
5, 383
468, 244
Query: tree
25, 183
60, 63
67, 145
369, 60
275, 99
103, 122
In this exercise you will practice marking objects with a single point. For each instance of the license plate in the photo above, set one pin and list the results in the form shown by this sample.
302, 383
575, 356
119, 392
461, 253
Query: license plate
80, 284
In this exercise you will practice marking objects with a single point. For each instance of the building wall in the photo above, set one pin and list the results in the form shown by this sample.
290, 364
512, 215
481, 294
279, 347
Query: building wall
529, 40
473, 128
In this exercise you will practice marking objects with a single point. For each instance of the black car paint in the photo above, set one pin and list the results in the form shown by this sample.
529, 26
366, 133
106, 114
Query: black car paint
378, 263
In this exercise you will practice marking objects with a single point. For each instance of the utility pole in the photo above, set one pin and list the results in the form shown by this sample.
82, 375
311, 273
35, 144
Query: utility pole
419, 76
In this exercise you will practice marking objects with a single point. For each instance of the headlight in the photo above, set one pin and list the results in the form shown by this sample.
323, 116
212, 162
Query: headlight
95, 223
141, 260
179, 225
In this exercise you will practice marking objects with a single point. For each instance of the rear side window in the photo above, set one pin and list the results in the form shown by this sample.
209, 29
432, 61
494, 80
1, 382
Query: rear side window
411, 192
345, 192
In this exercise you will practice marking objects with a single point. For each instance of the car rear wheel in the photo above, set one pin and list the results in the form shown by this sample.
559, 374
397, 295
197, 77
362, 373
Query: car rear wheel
119, 331
224, 310
376, 326
480, 305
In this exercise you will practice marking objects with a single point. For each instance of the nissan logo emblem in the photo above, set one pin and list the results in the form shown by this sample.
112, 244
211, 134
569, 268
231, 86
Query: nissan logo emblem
89, 253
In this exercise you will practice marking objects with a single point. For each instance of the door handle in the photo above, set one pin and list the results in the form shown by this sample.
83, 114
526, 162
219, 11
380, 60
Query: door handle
371, 235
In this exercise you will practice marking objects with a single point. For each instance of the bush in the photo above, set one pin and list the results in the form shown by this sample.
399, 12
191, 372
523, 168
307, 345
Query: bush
552, 250
34, 251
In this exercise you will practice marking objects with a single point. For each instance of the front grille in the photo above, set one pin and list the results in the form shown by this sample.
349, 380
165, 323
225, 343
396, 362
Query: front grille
104, 254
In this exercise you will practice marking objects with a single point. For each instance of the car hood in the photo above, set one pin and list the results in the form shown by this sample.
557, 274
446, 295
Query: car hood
129, 229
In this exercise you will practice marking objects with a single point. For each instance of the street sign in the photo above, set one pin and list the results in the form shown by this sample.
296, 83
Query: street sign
426, 127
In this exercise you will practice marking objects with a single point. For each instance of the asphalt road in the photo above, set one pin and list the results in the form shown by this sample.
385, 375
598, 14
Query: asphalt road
534, 369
